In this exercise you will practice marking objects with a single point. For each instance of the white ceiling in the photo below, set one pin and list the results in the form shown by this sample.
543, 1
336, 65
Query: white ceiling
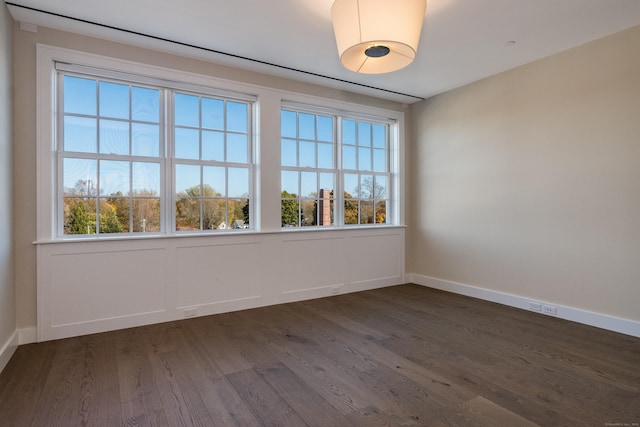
462, 40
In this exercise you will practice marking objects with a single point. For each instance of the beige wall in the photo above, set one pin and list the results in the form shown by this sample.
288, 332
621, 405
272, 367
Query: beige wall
25, 129
528, 182
7, 288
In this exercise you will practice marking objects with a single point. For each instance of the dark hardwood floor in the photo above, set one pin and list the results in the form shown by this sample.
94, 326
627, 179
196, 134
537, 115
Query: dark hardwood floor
404, 355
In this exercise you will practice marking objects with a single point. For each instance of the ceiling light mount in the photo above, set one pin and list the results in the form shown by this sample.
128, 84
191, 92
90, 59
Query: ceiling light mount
377, 51
377, 36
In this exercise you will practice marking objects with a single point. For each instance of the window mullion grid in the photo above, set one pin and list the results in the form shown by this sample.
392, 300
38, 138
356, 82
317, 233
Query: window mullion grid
226, 196
298, 171
98, 160
130, 195
167, 161
338, 194
201, 163
59, 146
201, 196
168, 171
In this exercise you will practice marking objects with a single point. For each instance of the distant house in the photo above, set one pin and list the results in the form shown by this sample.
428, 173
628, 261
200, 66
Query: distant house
239, 224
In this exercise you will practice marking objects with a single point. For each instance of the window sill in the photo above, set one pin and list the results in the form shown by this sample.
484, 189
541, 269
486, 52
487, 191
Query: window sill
232, 234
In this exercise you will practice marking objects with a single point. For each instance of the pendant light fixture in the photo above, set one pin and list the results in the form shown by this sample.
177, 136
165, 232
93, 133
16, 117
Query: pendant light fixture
377, 36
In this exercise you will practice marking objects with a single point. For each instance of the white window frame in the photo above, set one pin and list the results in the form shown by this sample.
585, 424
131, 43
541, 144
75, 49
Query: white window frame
394, 126
50, 62
161, 159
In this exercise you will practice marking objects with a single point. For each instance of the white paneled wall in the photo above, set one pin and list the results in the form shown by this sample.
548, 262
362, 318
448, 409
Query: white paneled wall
96, 286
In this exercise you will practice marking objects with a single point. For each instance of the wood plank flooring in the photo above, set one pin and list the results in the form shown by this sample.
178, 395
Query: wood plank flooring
399, 356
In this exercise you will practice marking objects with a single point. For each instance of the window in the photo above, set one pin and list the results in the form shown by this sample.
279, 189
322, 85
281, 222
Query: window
130, 150
212, 163
308, 171
365, 171
311, 143
138, 157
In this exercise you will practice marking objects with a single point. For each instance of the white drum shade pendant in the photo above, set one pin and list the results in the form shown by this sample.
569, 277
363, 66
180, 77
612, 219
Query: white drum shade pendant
377, 36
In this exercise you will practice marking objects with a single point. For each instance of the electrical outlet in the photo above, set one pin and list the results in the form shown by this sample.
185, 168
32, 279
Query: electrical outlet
535, 306
550, 310
190, 312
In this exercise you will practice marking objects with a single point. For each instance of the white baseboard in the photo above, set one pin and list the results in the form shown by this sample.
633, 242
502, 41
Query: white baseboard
599, 320
7, 350
27, 336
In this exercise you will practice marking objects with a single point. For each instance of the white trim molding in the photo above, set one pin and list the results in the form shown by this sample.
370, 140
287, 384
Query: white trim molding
599, 320
27, 336
7, 350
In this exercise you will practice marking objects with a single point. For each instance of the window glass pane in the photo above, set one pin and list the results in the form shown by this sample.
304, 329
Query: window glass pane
380, 189
146, 215
289, 209
327, 181
114, 137
213, 113
325, 212
114, 100
364, 134
379, 160
145, 104
380, 136
307, 123
109, 220
187, 180
288, 124
325, 156
381, 212
364, 159
121, 204
309, 212
213, 180
366, 212
288, 153
351, 185
80, 134
349, 132
307, 154
325, 129
214, 214
238, 183
80, 177
187, 214
237, 148
146, 179
290, 183
350, 211
348, 157
146, 140
366, 187
236, 214
114, 178
237, 117
309, 184
79, 96
187, 110
187, 143
246, 213
212, 146
79, 216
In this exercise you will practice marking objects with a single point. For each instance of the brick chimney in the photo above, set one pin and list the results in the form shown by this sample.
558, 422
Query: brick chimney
324, 207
